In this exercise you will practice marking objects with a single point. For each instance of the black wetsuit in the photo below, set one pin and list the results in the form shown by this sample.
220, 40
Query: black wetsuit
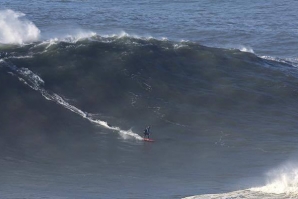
147, 132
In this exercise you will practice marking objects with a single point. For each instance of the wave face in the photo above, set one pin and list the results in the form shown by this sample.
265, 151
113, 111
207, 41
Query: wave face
86, 101
126, 76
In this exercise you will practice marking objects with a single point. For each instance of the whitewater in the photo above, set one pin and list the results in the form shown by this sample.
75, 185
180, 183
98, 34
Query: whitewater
222, 108
15, 29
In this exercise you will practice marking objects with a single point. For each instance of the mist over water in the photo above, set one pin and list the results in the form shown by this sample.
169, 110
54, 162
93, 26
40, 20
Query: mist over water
78, 90
15, 29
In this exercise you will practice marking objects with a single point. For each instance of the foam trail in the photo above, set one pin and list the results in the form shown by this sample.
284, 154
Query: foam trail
59, 100
36, 83
14, 29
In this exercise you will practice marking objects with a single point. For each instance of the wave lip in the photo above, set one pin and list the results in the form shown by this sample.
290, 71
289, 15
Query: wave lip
15, 29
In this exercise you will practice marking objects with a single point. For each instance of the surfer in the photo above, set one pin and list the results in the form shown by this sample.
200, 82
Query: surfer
147, 132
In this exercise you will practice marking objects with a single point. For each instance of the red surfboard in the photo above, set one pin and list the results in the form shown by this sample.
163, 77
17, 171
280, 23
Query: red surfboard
148, 140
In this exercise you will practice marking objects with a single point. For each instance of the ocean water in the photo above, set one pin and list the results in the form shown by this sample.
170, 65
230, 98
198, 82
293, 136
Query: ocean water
217, 81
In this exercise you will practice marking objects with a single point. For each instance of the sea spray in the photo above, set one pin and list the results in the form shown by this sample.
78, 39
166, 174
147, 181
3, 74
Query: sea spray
15, 29
283, 180
246, 49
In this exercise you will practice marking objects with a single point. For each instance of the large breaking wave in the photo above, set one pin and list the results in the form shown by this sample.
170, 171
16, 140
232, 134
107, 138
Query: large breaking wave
132, 78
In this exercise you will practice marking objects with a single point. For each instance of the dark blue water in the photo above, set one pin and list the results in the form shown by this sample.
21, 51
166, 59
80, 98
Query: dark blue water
80, 80
269, 28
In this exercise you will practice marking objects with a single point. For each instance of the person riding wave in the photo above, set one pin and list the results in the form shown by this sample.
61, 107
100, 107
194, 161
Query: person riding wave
147, 132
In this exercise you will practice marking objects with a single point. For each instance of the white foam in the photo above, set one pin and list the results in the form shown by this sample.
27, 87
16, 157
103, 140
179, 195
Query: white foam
74, 36
15, 29
121, 34
282, 183
181, 45
240, 47
78, 35
283, 180
229, 195
246, 49
291, 61
70, 38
